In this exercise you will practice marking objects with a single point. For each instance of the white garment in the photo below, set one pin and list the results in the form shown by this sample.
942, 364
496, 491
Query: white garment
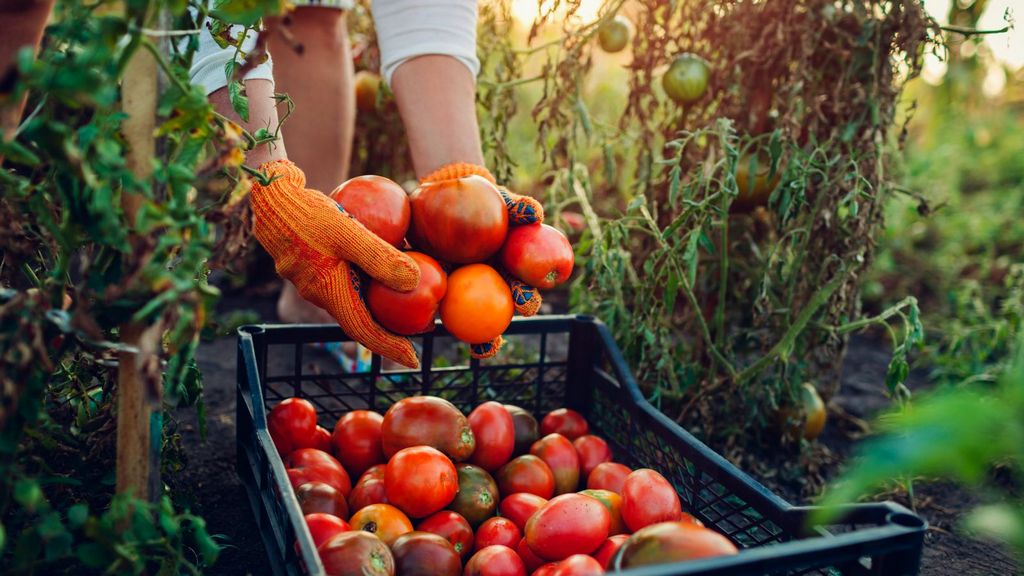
405, 29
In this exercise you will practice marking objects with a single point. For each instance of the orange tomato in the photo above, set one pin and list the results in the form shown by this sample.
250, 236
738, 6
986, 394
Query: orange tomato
478, 306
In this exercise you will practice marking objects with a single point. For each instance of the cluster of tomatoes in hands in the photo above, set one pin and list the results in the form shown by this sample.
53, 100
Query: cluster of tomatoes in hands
460, 222
491, 494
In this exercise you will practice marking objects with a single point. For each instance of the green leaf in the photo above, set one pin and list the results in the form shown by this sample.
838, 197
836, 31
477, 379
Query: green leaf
28, 493
245, 12
671, 291
584, 116
690, 255
78, 514
239, 101
636, 203
94, 555
897, 373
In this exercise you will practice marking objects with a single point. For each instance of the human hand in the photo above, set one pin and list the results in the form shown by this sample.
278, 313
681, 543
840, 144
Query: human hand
313, 241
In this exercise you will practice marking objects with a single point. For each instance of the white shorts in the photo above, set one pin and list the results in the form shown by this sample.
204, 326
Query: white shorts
405, 29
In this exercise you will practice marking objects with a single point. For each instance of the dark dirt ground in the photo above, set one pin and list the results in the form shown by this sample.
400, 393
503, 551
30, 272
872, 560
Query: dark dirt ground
212, 487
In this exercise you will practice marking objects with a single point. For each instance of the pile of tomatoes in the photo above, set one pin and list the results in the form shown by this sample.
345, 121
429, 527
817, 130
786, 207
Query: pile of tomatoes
492, 494
460, 223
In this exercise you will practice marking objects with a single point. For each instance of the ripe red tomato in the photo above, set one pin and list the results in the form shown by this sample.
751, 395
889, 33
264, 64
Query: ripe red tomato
568, 524
546, 570
312, 465
356, 553
608, 476
578, 565
495, 434
383, 520
420, 481
564, 421
292, 425
452, 527
409, 313
495, 561
526, 429
526, 473
477, 497
317, 497
321, 439
377, 203
323, 527
667, 542
366, 492
607, 551
356, 441
478, 306
613, 502
497, 531
538, 255
425, 554
559, 454
448, 212
531, 560
648, 498
519, 507
427, 421
592, 451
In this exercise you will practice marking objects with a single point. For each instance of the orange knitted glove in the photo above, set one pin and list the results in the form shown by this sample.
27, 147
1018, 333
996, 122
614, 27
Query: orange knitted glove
312, 241
521, 210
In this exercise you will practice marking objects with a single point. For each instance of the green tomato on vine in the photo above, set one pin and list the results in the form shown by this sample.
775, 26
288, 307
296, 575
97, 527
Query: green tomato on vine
613, 35
686, 79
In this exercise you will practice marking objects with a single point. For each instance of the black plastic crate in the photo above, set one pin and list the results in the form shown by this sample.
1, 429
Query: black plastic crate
550, 362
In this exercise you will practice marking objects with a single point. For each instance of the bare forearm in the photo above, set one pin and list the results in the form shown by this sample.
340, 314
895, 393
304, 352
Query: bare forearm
262, 114
437, 100
21, 24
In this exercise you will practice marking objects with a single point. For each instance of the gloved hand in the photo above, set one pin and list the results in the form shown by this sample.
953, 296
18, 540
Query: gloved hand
521, 210
312, 241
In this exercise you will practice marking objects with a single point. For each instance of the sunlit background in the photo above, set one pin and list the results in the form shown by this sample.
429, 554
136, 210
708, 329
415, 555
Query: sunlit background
1007, 48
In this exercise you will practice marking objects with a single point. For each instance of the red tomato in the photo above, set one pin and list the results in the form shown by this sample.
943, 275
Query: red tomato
592, 451
531, 560
369, 491
648, 498
559, 454
412, 312
607, 551
312, 465
420, 481
495, 561
356, 553
495, 435
317, 497
356, 440
447, 212
578, 565
667, 542
497, 531
538, 255
568, 524
427, 421
568, 423
608, 476
323, 527
292, 425
452, 527
383, 520
322, 439
613, 502
526, 473
546, 570
375, 472
377, 203
519, 507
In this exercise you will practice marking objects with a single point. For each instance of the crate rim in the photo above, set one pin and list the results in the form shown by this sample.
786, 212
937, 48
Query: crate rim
895, 523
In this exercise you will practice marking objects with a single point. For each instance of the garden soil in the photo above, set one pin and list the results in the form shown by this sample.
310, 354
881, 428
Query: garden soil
210, 485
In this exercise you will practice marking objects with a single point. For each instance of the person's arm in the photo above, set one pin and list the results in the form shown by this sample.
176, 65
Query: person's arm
21, 25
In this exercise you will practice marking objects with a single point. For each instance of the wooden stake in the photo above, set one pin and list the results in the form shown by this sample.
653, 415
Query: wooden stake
138, 466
